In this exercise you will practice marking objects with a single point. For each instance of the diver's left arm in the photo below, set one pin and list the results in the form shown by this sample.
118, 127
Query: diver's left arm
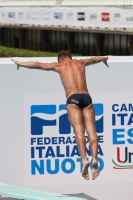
96, 59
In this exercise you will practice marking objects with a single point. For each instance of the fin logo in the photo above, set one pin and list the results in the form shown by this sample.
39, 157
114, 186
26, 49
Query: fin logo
99, 111
47, 115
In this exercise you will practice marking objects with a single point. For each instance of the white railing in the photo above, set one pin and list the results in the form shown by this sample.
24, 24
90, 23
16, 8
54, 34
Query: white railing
66, 3
97, 2
28, 3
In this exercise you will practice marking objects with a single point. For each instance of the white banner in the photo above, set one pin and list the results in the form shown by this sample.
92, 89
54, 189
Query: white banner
68, 16
37, 144
51, 151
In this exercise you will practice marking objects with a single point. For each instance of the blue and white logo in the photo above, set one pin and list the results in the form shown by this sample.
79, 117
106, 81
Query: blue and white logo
58, 15
53, 146
99, 117
11, 15
46, 115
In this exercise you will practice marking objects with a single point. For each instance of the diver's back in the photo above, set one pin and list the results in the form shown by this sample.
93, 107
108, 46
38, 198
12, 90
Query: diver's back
72, 73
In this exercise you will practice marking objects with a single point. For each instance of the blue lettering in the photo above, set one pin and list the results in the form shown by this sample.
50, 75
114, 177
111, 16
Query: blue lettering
123, 107
67, 165
130, 134
67, 151
32, 152
116, 136
130, 119
58, 152
49, 152
115, 109
61, 140
39, 141
87, 139
54, 140
35, 166
88, 151
80, 161
100, 152
122, 118
75, 151
100, 138
68, 141
47, 140
74, 141
33, 140
40, 149
56, 169
130, 107
113, 119
72, 166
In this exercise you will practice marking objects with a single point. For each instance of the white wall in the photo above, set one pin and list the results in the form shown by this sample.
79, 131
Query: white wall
15, 84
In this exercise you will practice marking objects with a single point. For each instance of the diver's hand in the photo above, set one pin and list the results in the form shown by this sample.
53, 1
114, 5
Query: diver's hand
105, 61
17, 63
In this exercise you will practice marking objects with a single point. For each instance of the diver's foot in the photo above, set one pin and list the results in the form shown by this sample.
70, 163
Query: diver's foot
95, 170
85, 173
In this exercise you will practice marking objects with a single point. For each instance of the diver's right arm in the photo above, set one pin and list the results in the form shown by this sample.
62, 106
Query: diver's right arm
36, 65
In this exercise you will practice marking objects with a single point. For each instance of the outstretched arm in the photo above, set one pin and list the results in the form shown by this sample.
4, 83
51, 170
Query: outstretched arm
36, 65
96, 59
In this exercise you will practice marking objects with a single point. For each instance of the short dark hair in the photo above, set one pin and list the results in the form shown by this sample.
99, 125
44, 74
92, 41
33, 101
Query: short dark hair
63, 54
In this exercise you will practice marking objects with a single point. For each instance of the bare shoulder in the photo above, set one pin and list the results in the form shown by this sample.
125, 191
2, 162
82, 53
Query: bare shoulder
86, 61
76, 60
57, 66
80, 62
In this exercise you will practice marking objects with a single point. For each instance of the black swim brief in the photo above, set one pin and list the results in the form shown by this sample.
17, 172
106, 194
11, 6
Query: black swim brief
82, 100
